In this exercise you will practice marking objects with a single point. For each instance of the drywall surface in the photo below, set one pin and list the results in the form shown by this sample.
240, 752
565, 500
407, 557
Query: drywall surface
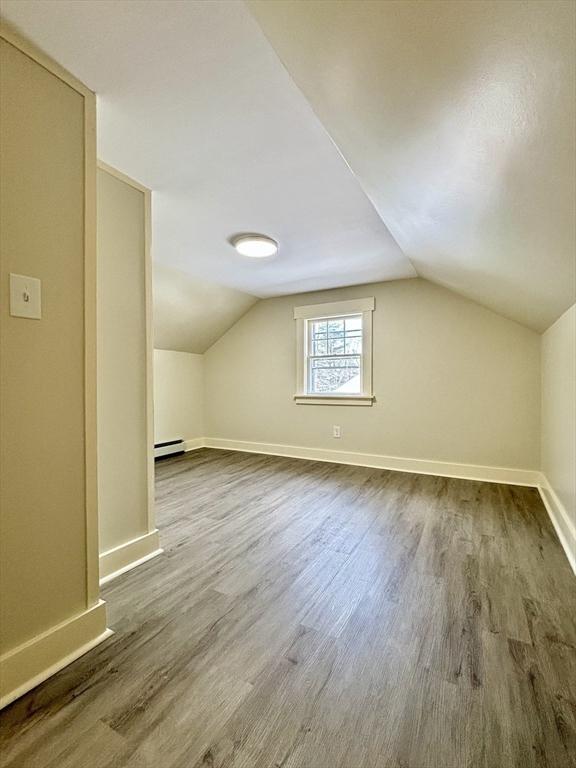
191, 314
178, 395
43, 556
457, 118
453, 381
559, 409
122, 373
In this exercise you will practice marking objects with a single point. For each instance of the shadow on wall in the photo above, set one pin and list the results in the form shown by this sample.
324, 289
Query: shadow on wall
191, 314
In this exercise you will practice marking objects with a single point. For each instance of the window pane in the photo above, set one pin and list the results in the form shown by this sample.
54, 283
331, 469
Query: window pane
336, 326
319, 347
318, 337
353, 323
319, 328
353, 345
336, 336
334, 374
336, 345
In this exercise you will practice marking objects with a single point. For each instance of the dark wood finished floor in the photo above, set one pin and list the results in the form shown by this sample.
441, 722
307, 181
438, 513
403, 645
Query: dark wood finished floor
309, 615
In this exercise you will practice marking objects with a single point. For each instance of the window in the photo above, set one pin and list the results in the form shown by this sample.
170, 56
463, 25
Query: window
334, 355
334, 347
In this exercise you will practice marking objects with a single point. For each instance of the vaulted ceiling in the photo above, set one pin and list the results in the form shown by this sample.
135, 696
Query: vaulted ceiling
458, 118
373, 140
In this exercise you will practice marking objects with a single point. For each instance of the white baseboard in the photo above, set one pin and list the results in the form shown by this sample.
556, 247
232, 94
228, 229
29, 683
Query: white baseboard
129, 555
419, 466
533, 478
35, 661
194, 443
563, 525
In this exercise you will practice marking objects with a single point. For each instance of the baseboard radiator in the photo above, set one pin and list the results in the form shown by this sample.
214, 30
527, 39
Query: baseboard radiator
168, 448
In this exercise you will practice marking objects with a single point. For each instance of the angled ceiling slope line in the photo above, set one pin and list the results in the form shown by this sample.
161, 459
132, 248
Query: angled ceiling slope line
191, 314
194, 102
459, 121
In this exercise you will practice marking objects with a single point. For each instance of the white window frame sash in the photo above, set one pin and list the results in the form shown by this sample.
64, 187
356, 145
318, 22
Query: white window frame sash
308, 357
302, 315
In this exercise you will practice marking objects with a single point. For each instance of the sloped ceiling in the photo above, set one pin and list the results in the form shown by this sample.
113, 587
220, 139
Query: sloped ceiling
455, 120
458, 118
194, 103
191, 314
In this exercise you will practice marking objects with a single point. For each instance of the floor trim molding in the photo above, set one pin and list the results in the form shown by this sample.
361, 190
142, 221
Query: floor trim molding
35, 661
194, 443
419, 466
131, 554
563, 525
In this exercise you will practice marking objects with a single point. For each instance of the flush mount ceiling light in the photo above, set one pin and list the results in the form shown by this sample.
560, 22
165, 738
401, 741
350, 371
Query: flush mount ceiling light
255, 246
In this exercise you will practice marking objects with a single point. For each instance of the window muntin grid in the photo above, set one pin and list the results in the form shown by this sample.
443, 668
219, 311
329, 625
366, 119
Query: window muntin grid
334, 355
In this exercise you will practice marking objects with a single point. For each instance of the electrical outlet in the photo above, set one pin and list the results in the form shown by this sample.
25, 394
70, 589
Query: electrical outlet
336, 431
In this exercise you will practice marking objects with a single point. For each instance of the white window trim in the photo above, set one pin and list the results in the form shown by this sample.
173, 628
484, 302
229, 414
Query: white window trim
365, 307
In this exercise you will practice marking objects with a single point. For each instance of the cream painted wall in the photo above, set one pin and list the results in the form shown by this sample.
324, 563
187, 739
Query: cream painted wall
453, 381
559, 413
44, 559
191, 314
122, 367
178, 395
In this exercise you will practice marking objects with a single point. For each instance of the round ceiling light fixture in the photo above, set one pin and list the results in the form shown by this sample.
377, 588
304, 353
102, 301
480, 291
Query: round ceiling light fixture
255, 246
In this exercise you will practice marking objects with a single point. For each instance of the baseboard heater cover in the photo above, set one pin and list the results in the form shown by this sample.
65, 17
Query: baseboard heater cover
168, 448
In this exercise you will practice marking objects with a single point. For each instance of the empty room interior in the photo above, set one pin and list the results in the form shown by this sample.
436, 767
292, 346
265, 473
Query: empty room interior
288, 384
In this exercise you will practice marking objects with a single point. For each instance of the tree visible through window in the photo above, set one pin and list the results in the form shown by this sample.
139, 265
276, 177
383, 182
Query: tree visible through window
334, 352
334, 355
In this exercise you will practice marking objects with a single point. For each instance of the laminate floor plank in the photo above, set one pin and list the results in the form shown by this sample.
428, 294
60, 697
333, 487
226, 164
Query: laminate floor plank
315, 615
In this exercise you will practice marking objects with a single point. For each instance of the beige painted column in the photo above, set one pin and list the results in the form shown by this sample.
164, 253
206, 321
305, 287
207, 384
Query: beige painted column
50, 612
128, 534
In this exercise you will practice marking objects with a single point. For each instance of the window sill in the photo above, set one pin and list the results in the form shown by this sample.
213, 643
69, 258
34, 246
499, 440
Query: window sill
333, 399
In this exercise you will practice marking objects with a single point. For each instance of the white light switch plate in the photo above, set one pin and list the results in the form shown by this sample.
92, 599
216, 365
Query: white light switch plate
25, 297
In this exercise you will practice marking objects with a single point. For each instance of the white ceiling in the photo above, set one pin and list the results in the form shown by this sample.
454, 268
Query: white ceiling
194, 103
456, 117
459, 120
